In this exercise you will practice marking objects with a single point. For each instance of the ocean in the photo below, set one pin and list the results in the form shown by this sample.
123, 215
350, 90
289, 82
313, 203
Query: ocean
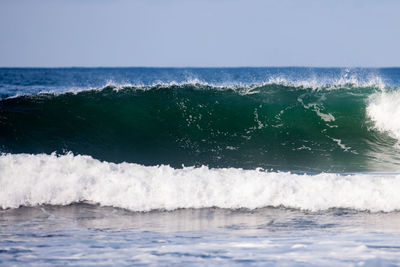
289, 166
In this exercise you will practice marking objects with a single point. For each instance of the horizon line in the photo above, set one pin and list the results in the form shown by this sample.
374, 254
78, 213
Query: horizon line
194, 67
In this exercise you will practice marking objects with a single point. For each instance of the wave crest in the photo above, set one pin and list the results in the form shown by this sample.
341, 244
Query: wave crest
345, 81
314, 83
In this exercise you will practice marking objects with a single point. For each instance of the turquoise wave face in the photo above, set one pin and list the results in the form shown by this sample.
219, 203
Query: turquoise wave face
271, 126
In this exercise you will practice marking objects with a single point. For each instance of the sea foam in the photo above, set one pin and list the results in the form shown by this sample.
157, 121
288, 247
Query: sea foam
384, 111
27, 179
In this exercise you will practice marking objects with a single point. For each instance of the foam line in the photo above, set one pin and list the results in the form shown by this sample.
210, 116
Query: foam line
27, 179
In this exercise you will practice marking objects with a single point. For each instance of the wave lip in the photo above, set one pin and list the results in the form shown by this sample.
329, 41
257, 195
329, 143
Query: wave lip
245, 87
27, 179
242, 87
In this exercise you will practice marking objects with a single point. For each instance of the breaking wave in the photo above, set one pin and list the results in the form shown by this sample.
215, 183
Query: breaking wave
273, 126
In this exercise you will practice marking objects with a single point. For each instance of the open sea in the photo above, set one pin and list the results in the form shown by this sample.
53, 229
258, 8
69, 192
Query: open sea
200, 166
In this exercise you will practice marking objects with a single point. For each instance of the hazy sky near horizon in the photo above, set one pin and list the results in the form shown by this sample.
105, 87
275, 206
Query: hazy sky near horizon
50, 33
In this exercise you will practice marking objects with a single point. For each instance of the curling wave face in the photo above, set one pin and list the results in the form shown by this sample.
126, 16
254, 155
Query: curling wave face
36, 180
273, 125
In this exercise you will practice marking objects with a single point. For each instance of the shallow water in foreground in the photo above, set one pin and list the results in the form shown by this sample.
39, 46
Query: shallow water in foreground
84, 234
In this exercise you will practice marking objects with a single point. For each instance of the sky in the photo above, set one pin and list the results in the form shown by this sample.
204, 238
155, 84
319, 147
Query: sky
199, 33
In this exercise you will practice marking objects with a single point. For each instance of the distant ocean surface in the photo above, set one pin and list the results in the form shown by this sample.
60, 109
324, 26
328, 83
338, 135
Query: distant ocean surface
200, 166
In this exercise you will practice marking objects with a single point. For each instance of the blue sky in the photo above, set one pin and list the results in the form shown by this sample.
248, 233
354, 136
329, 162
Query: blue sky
182, 33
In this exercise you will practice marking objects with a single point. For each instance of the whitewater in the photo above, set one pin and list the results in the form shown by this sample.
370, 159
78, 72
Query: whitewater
36, 181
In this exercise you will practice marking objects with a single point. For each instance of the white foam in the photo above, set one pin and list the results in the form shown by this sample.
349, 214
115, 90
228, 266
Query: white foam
384, 111
60, 180
321, 83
